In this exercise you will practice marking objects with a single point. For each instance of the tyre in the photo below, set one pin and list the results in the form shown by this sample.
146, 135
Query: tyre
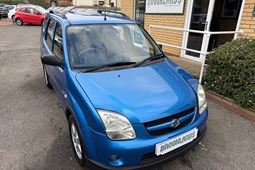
77, 141
42, 23
13, 18
46, 78
19, 22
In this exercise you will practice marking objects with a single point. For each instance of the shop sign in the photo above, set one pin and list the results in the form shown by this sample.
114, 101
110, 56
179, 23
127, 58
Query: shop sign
164, 6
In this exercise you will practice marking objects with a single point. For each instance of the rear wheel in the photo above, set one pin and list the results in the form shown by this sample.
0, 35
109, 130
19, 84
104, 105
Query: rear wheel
42, 22
19, 22
77, 141
46, 78
13, 18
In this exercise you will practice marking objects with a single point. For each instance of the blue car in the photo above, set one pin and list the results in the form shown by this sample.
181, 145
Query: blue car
127, 104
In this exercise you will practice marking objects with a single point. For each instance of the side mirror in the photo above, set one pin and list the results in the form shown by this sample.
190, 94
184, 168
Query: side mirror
160, 46
38, 13
51, 60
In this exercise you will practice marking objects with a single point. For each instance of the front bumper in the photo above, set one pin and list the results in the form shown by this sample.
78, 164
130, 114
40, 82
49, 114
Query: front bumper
140, 152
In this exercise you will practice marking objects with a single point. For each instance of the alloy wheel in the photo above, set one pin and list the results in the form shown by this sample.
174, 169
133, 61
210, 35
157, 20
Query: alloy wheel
76, 141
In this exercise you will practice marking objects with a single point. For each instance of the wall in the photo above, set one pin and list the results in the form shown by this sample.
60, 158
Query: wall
164, 35
83, 2
248, 21
175, 37
127, 6
161, 35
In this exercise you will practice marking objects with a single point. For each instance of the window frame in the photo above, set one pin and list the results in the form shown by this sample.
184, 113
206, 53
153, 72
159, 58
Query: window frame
54, 33
46, 33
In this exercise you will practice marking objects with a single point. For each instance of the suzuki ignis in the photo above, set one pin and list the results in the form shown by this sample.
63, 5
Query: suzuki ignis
127, 104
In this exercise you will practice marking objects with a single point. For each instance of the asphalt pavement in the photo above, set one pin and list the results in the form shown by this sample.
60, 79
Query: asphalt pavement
34, 132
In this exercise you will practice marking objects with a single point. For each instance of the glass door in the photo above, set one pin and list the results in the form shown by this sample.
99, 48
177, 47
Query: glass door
199, 19
140, 11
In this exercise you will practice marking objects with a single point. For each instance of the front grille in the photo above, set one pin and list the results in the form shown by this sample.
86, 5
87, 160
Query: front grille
169, 119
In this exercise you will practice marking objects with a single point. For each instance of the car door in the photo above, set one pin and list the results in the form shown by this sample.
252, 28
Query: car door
31, 15
52, 44
46, 45
59, 72
36, 17
23, 14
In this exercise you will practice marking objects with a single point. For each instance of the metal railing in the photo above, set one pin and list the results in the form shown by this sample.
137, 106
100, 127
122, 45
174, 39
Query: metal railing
203, 51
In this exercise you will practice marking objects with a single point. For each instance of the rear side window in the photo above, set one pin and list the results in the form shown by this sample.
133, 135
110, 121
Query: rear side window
57, 46
49, 33
23, 10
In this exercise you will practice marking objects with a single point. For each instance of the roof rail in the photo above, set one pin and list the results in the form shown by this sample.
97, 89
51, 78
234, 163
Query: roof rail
108, 12
61, 14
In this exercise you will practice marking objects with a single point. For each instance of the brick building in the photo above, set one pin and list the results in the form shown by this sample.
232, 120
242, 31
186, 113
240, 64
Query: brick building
200, 15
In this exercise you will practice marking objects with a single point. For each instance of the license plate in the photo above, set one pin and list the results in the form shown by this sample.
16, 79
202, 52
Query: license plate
174, 143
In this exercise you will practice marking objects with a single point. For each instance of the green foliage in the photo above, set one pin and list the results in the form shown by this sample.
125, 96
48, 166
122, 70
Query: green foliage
39, 2
12, 2
231, 71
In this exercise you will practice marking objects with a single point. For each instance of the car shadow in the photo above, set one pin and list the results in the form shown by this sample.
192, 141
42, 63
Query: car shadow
60, 155
28, 25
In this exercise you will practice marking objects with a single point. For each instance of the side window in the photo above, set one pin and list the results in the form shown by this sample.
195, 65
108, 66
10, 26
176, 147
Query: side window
49, 35
35, 12
57, 46
30, 10
23, 10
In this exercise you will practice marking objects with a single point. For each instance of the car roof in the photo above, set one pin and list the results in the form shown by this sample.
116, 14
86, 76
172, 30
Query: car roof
26, 6
79, 19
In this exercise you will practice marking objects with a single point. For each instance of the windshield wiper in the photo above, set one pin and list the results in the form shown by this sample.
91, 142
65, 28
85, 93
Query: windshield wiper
122, 63
152, 58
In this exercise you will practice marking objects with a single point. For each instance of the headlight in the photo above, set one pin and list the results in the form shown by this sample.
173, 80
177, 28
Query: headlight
201, 98
117, 126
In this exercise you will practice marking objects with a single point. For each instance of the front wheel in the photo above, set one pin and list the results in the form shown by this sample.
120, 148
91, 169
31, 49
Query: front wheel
19, 22
77, 141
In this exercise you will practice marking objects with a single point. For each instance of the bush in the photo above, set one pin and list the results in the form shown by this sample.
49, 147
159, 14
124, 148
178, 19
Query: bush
231, 71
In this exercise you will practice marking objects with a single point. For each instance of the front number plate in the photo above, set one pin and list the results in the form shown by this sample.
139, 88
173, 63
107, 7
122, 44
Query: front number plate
174, 143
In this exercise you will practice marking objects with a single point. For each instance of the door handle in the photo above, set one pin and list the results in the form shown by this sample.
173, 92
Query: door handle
64, 93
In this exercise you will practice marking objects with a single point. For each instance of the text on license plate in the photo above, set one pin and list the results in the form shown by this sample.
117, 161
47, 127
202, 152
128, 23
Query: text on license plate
174, 143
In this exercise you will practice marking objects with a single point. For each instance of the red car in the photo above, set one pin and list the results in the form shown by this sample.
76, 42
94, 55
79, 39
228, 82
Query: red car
30, 15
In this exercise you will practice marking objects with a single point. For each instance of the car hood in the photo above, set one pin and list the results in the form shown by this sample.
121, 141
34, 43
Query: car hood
142, 94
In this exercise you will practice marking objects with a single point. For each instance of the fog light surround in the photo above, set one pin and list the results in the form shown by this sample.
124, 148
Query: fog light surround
116, 160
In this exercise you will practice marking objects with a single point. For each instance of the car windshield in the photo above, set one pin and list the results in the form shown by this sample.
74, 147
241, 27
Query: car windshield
92, 46
41, 9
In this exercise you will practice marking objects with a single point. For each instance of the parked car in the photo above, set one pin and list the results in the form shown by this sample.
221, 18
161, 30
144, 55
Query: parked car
3, 12
80, 10
30, 15
9, 7
127, 104
11, 13
56, 10
73, 8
